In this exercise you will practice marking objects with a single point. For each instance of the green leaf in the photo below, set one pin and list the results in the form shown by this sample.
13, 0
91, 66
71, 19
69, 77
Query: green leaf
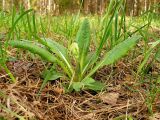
59, 50
66, 87
96, 86
49, 75
55, 47
83, 40
119, 50
12, 59
90, 83
116, 53
77, 86
42, 52
89, 61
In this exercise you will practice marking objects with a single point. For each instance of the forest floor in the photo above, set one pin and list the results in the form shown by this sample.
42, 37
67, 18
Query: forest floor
125, 96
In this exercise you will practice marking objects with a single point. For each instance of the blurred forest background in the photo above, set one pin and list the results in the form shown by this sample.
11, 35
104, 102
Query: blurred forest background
57, 7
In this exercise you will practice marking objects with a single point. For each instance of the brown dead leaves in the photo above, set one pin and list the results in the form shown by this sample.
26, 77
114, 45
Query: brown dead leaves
110, 98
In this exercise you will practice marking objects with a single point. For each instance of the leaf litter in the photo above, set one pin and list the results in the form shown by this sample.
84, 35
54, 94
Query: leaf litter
53, 104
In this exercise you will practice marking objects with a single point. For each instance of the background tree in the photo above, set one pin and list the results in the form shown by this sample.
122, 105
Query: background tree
55, 7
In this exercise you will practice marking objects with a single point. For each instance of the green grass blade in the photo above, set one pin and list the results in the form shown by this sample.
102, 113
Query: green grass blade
13, 80
147, 55
17, 20
34, 23
11, 112
3, 64
29, 26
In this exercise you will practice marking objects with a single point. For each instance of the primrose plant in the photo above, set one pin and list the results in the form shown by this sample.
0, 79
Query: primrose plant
78, 63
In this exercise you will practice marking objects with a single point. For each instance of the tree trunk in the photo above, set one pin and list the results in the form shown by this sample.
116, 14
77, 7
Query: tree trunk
159, 11
101, 6
95, 6
54, 7
86, 6
49, 6
29, 4
138, 7
3, 5
148, 5
145, 5
129, 7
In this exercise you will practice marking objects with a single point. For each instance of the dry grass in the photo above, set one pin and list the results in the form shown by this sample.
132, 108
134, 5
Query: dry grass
53, 104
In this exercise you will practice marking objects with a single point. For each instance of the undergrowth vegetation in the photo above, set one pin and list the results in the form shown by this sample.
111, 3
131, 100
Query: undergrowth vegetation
74, 48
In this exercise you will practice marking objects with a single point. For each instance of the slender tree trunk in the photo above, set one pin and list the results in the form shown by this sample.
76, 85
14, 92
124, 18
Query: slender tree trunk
159, 8
45, 6
154, 2
148, 4
129, 7
138, 8
94, 4
54, 7
145, 8
13, 3
101, 6
40, 8
133, 7
49, 6
3, 5
29, 4
86, 6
